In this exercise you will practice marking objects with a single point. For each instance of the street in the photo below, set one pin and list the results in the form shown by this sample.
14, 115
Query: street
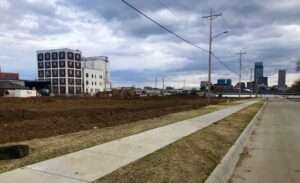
272, 154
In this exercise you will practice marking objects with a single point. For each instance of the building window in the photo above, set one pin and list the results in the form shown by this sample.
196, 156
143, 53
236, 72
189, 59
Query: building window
70, 64
40, 57
54, 56
62, 81
78, 73
62, 73
47, 65
78, 90
41, 74
54, 64
70, 56
87, 82
71, 81
62, 55
92, 75
92, 90
77, 57
62, 64
41, 65
48, 73
87, 75
100, 76
62, 90
55, 90
78, 81
71, 90
78, 65
47, 56
55, 73
71, 73
54, 81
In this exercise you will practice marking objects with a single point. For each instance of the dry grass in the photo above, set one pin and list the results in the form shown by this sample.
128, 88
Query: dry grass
189, 160
46, 148
27, 119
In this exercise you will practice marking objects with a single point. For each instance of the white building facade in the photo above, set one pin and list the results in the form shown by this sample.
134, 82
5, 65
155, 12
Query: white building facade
70, 74
96, 75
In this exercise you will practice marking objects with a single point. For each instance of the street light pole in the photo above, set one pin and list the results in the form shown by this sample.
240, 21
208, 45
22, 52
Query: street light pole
251, 82
211, 18
240, 75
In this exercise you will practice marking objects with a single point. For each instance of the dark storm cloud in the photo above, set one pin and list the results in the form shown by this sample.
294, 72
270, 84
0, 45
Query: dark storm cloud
268, 30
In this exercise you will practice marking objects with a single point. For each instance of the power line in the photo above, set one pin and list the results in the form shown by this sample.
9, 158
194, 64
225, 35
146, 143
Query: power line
176, 35
225, 65
240, 76
163, 27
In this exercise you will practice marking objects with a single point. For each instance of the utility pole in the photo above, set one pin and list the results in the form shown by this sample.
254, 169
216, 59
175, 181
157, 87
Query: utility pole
163, 83
210, 17
240, 76
155, 82
252, 84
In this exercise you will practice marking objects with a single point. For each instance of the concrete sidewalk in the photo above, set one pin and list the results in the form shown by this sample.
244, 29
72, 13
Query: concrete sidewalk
274, 148
93, 163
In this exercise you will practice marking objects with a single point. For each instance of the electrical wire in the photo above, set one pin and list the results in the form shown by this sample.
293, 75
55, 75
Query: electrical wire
176, 35
225, 65
163, 27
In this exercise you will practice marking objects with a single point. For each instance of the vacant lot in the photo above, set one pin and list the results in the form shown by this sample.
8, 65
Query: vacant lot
51, 147
25, 119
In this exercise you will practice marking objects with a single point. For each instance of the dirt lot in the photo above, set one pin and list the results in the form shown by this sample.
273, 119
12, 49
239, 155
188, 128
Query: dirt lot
51, 147
191, 159
25, 119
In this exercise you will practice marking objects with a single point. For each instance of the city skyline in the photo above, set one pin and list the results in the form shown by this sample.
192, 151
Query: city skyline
140, 51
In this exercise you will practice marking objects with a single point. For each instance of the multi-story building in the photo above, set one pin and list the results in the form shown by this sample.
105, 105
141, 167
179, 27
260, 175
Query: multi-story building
70, 74
251, 85
62, 67
259, 78
96, 75
203, 85
258, 71
224, 82
282, 79
9, 76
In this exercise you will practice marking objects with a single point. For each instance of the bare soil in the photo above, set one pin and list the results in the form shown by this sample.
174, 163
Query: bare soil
51, 147
25, 119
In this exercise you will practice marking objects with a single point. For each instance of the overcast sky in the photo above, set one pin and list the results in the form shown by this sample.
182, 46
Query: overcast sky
139, 51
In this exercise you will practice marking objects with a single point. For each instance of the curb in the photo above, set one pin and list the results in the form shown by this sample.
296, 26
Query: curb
224, 170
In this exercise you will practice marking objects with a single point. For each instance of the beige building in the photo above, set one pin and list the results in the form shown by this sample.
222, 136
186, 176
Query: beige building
96, 75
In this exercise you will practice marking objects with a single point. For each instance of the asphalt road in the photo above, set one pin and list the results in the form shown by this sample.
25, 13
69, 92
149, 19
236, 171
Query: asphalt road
273, 150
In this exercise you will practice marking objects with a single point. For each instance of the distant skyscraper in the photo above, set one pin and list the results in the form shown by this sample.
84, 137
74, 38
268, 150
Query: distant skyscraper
282, 79
258, 71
